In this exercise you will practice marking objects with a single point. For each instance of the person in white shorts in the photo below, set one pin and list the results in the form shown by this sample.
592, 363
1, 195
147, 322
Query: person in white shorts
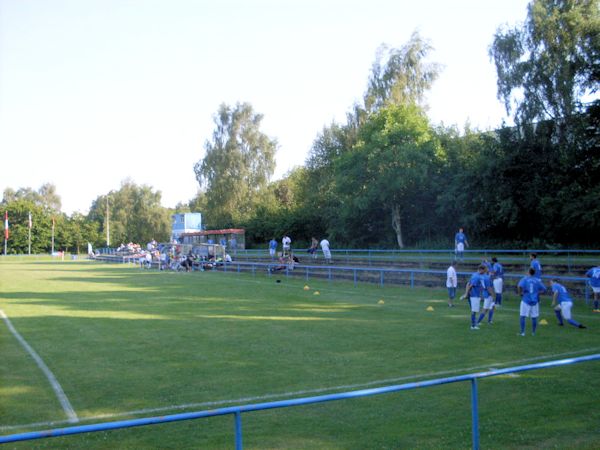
594, 275
529, 288
488, 299
460, 242
286, 242
497, 275
326, 252
475, 289
564, 304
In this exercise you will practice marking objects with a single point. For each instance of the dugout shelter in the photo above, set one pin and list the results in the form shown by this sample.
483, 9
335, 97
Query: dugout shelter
235, 238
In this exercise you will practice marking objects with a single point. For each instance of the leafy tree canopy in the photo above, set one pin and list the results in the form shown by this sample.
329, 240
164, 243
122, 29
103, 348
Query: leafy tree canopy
548, 66
238, 163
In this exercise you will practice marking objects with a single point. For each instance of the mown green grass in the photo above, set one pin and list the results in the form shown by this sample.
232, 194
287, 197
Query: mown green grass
121, 340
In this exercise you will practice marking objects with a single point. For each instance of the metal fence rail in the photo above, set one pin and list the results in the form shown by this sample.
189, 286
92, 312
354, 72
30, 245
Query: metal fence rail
578, 286
237, 411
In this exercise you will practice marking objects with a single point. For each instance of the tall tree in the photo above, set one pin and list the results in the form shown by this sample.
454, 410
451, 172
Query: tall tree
391, 169
134, 214
18, 216
46, 196
238, 163
547, 66
401, 76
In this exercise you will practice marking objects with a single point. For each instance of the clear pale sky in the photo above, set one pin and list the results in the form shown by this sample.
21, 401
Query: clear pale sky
96, 91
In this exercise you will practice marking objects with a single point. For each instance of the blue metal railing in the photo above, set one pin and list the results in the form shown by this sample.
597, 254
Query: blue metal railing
237, 411
412, 277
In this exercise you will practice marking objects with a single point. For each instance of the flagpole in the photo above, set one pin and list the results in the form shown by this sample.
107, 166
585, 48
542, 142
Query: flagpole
107, 224
53, 236
29, 233
5, 231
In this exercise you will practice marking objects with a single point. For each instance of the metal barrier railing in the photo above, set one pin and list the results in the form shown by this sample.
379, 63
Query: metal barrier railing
578, 286
237, 411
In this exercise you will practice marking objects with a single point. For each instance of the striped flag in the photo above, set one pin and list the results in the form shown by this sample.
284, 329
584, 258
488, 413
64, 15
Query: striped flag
6, 225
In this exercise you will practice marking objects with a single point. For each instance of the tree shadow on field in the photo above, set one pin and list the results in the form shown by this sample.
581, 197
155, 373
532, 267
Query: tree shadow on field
112, 291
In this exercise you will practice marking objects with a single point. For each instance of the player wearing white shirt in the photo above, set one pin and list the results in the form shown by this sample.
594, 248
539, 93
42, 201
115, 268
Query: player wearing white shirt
287, 245
326, 252
451, 284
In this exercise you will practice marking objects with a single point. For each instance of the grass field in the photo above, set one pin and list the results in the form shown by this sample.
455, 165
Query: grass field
125, 343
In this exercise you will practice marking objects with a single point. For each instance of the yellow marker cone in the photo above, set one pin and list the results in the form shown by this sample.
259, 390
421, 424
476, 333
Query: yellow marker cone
316, 293
543, 322
430, 308
306, 288
381, 302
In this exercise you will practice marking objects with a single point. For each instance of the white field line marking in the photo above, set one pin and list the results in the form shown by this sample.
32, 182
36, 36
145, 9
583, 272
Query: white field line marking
287, 395
60, 394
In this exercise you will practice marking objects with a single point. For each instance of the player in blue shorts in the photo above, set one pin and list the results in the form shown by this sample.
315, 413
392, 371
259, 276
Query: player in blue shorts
594, 275
563, 302
529, 288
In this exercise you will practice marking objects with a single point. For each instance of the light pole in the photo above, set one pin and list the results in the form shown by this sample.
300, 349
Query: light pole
107, 224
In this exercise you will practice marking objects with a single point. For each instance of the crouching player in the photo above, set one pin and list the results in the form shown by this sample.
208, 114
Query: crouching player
564, 303
529, 288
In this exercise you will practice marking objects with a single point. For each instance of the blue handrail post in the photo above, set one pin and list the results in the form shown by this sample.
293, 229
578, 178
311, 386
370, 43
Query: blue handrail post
238, 430
474, 414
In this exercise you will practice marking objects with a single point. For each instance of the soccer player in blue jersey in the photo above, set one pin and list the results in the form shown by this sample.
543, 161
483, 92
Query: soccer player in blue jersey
487, 264
529, 288
594, 275
535, 265
272, 248
460, 242
488, 299
475, 289
497, 275
563, 302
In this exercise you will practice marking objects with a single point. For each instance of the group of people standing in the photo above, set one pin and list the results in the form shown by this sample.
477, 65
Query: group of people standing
286, 243
487, 284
